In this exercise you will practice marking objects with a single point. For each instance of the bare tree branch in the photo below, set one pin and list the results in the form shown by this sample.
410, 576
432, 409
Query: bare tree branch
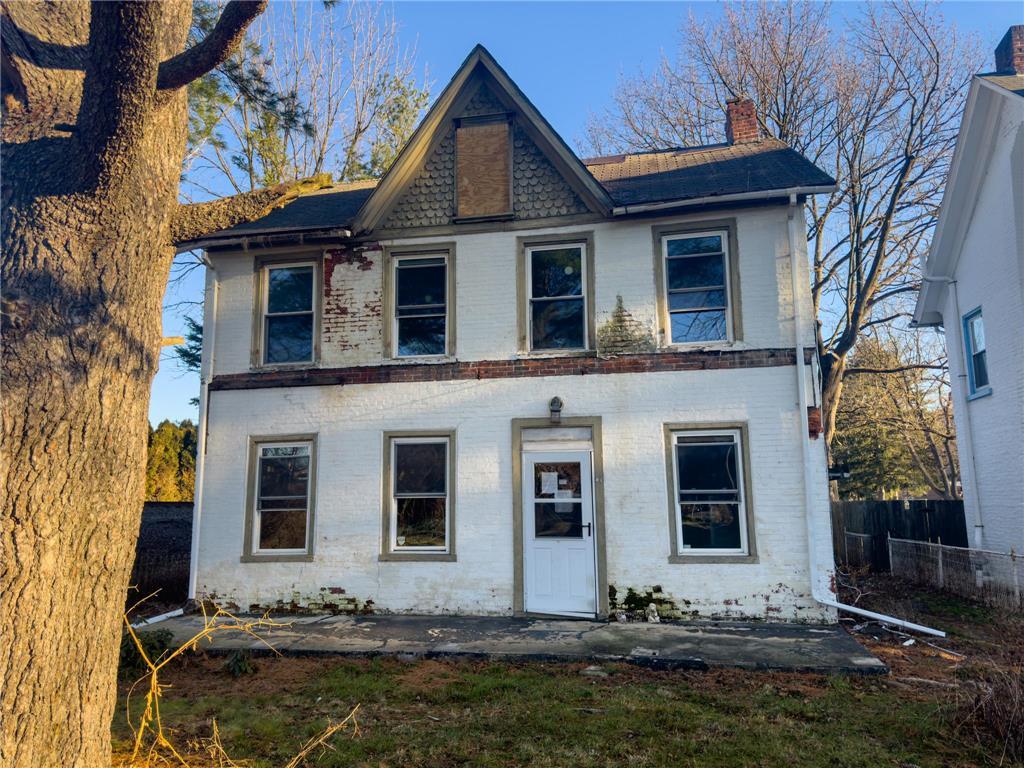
193, 220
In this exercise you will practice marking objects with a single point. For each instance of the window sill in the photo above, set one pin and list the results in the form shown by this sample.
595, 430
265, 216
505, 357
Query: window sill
555, 353
270, 367
698, 345
979, 393
711, 559
416, 557
269, 558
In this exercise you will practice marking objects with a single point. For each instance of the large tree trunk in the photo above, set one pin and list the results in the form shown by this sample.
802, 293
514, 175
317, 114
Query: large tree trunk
833, 368
87, 201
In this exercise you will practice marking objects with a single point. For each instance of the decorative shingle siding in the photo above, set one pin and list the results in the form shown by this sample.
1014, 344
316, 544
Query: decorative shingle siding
484, 102
538, 190
430, 199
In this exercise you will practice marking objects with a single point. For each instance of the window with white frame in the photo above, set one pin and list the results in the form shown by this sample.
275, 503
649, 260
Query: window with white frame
282, 498
421, 305
977, 356
289, 312
557, 296
696, 269
420, 514
710, 501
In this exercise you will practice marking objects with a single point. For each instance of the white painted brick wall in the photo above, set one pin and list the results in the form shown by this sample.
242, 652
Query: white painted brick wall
350, 421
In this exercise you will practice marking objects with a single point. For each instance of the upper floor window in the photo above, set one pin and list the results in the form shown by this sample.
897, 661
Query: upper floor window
710, 500
977, 360
697, 286
556, 287
289, 310
421, 305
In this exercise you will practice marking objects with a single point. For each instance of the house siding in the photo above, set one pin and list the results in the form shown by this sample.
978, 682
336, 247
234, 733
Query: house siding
634, 405
350, 423
990, 275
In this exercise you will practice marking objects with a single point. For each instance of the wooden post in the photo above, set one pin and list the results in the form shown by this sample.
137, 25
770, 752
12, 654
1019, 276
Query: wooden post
888, 546
942, 579
1016, 577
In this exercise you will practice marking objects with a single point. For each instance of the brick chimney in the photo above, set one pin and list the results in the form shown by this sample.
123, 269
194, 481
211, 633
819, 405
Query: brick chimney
740, 121
1010, 51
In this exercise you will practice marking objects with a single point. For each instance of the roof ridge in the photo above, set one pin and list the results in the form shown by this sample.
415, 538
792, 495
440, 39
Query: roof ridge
621, 156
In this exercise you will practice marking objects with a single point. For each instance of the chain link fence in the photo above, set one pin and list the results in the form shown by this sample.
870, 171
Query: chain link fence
993, 578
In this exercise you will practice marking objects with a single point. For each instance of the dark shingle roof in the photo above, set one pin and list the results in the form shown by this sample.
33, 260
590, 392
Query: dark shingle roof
690, 173
333, 207
1012, 83
646, 177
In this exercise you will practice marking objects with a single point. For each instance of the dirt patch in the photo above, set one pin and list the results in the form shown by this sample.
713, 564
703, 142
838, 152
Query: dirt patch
430, 675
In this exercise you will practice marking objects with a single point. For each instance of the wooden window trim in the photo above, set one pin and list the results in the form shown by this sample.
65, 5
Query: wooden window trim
387, 552
393, 254
734, 314
260, 267
249, 553
524, 245
974, 392
750, 556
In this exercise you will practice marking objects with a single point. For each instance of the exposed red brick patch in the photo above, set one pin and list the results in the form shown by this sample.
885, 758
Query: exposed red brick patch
696, 360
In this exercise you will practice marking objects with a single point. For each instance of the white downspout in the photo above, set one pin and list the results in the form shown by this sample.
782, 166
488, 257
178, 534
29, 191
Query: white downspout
818, 591
206, 373
979, 525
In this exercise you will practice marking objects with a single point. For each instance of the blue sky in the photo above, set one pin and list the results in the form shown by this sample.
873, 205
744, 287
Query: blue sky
567, 57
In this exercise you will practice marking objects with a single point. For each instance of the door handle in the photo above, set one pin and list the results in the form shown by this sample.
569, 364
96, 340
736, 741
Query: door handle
587, 526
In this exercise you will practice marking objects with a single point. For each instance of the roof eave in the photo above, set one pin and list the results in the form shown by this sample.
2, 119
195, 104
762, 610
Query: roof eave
665, 205
263, 237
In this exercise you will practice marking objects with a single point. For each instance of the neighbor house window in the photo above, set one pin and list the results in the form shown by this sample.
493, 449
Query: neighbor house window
281, 499
419, 518
977, 360
710, 501
421, 305
289, 313
697, 286
557, 296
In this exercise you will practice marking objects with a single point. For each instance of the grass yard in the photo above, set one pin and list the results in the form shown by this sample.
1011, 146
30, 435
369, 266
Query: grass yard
471, 713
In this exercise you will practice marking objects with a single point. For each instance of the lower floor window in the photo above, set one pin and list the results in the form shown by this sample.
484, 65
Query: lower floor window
710, 502
420, 494
282, 497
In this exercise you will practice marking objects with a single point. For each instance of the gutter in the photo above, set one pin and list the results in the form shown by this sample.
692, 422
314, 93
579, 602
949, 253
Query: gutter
818, 578
791, 192
209, 333
264, 238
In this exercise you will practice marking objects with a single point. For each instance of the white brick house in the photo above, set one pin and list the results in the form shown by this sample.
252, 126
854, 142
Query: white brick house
505, 380
974, 289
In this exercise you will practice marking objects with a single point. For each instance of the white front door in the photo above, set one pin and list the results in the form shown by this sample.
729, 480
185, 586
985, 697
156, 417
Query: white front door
558, 533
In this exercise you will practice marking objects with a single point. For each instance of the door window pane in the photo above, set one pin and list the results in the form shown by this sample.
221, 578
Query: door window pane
557, 480
288, 314
557, 303
421, 306
696, 286
559, 519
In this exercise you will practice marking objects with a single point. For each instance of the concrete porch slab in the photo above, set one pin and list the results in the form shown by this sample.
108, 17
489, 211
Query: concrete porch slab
682, 645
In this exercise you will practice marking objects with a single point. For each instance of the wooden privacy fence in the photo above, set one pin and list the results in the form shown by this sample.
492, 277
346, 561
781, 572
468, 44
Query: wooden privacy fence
860, 528
994, 578
162, 553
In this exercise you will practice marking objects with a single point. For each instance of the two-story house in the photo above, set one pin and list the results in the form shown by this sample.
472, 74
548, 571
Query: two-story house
973, 287
507, 380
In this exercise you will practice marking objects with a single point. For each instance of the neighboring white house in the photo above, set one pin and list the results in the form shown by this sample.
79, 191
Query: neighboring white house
974, 287
505, 380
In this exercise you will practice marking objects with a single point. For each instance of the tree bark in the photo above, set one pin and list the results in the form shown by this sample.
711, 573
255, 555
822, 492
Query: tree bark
92, 155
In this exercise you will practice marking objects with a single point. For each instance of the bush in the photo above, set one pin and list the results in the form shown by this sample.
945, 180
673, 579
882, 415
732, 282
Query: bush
239, 663
155, 642
993, 714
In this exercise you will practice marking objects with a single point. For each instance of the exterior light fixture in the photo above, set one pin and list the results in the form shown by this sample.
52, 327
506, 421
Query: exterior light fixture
556, 410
